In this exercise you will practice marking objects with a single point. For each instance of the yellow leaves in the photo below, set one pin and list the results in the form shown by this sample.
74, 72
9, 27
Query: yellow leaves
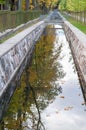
23, 4
68, 108
34, 76
31, 7
40, 3
47, 2
62, 97
73, 5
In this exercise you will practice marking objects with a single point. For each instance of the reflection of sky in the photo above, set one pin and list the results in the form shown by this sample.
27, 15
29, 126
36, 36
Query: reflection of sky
66, 113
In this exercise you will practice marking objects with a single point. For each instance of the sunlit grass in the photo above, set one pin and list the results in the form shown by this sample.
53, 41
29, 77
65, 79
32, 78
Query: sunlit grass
10, 35
79, 25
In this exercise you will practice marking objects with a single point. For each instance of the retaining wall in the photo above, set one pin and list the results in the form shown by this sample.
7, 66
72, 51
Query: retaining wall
77, 42
15, 52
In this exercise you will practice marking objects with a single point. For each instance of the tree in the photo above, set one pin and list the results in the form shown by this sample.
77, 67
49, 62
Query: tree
27, 4
73, 5
4, 4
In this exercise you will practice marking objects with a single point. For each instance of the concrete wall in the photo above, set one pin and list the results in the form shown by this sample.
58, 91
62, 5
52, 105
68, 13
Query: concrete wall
77, 42
15, 52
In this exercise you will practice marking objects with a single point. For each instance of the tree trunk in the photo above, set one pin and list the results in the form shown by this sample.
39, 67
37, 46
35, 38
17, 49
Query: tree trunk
27, 4
33, 3
12, 3
20, 5
6, 4
37, 5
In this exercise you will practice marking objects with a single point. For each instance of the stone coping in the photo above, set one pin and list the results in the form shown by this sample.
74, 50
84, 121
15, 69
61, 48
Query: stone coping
14, 51
10, 43
77, 42
79, 34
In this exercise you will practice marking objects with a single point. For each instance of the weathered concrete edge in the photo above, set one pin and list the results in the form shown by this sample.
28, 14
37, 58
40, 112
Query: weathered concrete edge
10, 43
22, 43
77, 42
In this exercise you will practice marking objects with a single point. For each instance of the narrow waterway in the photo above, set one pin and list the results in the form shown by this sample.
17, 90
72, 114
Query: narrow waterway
67, 111
48, 96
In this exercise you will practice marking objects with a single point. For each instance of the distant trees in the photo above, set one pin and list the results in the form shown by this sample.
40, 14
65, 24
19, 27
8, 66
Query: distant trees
77, 9
73, 5
39, 4
8, 4
29, 4
2, 4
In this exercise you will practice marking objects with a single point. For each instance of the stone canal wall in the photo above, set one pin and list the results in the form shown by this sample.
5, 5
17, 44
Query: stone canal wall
77, 42
15, 52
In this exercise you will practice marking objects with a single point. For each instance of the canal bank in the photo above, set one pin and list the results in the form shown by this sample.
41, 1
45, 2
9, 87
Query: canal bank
11, 55
49, 95
15, 54
68, 110
47, 77
77, 40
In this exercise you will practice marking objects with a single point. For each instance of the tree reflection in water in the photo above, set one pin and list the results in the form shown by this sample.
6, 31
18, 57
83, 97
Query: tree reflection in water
37, 88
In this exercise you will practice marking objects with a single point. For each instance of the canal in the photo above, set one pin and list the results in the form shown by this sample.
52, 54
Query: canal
48, 96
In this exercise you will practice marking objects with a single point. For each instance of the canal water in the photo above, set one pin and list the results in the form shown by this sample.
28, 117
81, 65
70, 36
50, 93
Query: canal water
48, 96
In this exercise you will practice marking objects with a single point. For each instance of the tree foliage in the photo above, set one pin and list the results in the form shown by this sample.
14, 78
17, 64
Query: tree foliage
2, 1
31, 4
37, 88
73, 5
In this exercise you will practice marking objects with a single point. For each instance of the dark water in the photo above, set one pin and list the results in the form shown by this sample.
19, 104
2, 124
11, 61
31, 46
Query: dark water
48, 96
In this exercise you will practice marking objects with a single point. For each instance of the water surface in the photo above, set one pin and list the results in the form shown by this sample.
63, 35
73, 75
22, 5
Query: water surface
48, 96
67, 111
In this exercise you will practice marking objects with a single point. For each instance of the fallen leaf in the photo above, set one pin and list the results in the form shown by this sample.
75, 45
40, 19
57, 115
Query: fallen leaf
62, 97
68, 108
84, 103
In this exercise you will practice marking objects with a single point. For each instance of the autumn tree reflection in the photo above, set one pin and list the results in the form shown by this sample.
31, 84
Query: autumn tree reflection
46, 69
37, 87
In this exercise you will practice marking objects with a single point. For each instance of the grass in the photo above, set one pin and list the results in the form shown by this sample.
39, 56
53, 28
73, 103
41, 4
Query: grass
79, 25
18, 31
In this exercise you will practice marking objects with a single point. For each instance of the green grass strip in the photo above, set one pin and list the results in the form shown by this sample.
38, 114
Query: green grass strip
79, 25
